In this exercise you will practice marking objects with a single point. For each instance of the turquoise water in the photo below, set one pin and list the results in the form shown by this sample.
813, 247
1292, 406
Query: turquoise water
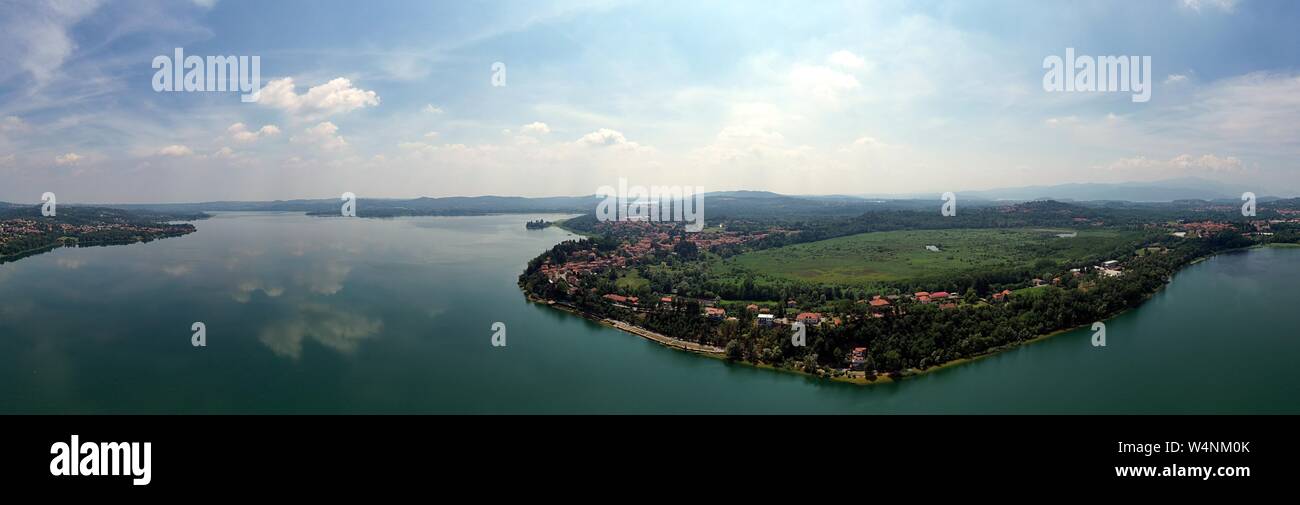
323, 315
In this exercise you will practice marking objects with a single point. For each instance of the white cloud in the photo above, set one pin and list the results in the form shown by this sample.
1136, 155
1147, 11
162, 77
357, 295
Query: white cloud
334, 97
13, 124
1184, 164
175, 150
608, 138
869, 143
325, 135
1175, 78
68, 159
34, 36
1061, 121
431, 109
239, 132
536, 127
846, 59
821, 82
1222, 5
431, 135
1258, 108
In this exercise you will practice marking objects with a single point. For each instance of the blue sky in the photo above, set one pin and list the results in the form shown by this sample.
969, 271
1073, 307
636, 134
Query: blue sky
395, 99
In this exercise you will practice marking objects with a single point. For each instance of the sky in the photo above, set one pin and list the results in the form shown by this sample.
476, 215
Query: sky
401, 99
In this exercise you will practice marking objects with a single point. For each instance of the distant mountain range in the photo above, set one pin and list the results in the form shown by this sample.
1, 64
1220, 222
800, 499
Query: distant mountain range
1186, 188
737, 203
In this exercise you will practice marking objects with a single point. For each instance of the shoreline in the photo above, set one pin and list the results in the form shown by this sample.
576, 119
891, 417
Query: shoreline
659, 338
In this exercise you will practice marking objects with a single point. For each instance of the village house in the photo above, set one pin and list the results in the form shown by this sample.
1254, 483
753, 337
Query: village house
811, 318
858, 358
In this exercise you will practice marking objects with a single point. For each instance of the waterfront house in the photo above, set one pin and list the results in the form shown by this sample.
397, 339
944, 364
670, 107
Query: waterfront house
858, 358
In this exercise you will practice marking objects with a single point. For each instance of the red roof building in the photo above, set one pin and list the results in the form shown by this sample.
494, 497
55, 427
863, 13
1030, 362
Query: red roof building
809, 317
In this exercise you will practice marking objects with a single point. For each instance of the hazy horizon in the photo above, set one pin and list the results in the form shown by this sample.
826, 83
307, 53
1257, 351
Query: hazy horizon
798, 99
890, 196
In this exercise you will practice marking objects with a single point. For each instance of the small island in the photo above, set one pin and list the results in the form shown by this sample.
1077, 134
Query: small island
538, 224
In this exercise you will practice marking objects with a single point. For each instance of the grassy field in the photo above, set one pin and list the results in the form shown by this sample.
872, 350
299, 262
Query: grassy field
630, 281
890, 256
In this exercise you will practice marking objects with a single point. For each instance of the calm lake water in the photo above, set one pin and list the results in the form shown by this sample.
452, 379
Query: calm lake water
324, 315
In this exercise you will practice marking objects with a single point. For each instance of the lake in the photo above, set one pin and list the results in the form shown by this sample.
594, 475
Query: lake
334, 315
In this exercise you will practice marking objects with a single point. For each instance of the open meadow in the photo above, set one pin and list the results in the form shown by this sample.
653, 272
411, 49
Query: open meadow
869, 258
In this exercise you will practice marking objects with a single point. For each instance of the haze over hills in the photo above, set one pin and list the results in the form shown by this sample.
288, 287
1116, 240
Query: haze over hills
1168, 190
736, 203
